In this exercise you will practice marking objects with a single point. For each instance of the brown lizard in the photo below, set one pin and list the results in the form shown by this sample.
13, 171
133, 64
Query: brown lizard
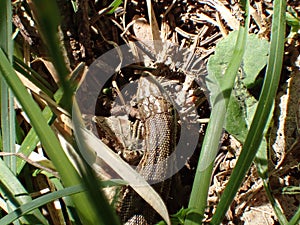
159, 117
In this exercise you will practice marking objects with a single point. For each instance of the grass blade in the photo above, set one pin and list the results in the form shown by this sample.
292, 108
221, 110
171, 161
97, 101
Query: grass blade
50, 142
33, 76
31, 139
28, 207
94, 208
48, 21
296, 218
260, 119
11, 189
17, 195
7, 98
198, 199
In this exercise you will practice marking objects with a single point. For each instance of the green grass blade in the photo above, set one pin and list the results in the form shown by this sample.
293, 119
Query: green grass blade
38, 202
210, 147
50, 142
6, 28
201, 183
7, 98
296, 218
34, 77
47, 17
115, 4
31, 140
48, 21
73, 216
260, 119
16, 194
277, 209
13, 191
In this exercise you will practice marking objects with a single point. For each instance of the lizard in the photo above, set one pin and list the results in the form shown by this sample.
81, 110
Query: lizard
158, 115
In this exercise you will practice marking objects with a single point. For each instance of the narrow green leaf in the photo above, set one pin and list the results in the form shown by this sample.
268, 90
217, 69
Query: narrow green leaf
33, 76
48, 21
115, 4
264, 107
6, 42
38, 202
13, 190
7, 98
223, 84
48, 139
31, 140
94, 208
43, 200
295, 219
277, 209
